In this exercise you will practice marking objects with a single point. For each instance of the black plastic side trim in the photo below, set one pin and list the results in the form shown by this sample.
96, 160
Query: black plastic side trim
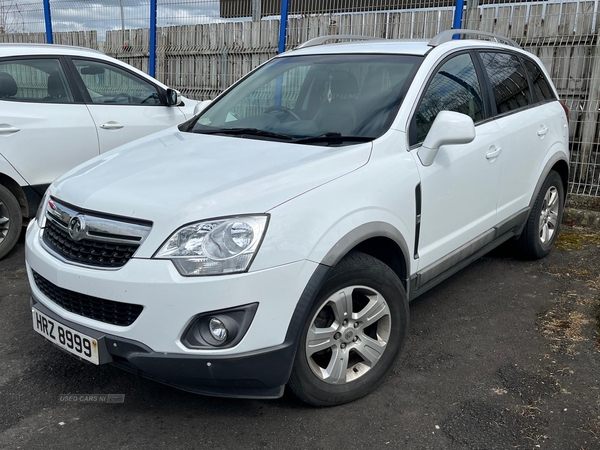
305, 302
417, 220
461, 265
437, 272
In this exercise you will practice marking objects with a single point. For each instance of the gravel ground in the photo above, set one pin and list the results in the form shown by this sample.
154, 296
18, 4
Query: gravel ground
503, 355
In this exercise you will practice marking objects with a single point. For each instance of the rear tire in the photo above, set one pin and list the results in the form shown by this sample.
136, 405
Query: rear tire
11, 221
543, 224
350, 342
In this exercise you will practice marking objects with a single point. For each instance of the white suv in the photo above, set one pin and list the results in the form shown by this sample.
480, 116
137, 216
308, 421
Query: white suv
278, 237
62, 105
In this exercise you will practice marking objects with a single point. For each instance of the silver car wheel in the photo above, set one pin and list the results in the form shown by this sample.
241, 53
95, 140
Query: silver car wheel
549, 215
4, 222
348, 335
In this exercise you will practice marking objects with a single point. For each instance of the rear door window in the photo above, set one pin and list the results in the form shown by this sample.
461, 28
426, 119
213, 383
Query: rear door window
541, 87
509, 81
34, 80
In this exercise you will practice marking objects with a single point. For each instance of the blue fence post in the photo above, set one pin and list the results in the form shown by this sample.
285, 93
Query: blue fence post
48, 20
282, 37
152, 58
283, 25
458, 14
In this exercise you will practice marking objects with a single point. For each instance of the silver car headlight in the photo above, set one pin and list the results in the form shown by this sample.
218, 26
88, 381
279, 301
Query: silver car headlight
215, 247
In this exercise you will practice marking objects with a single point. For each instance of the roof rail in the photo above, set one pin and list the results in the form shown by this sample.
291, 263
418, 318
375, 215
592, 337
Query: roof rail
347, 37
448, 35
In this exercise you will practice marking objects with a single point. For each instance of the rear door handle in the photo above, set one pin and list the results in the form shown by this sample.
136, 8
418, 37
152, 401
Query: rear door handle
6, 129
493, 153
111, 126
542, 130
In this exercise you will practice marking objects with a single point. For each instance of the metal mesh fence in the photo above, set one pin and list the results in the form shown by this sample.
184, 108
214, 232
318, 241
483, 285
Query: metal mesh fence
21, 22
203, 46
202, 53
565, 37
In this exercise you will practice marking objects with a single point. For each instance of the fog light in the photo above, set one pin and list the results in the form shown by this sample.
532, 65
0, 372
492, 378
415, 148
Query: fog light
217, 329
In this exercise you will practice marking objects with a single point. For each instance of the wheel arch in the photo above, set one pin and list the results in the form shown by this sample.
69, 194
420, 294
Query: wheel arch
379, 240
558, 162
17, 191
562, 167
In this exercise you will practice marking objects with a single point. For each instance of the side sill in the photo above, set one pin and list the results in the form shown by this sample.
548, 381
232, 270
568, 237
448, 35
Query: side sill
431, 276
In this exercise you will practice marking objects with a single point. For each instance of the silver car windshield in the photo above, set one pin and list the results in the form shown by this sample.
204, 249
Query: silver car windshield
341, 98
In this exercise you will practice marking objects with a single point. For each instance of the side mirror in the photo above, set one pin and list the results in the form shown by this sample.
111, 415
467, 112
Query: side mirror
448, 128
201, 106
173, 97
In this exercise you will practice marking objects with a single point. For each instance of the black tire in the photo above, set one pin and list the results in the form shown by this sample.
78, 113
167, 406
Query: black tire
356, 269
9, 208
530, 243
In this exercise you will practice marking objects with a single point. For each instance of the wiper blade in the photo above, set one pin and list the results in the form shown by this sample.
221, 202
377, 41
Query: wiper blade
247, 131
332, 138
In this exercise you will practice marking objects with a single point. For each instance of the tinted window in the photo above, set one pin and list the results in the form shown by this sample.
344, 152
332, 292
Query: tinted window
509, 81
34, 80
108, 84
541, 87
455, 87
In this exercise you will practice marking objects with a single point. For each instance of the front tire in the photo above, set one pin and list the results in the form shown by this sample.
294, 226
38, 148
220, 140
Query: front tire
543, 224
353, 335
11, 221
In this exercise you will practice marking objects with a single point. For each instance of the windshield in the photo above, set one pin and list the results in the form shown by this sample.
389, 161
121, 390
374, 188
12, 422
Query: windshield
314, 99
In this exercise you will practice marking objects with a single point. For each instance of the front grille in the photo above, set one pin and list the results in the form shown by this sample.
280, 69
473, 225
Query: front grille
107, 311
88, 252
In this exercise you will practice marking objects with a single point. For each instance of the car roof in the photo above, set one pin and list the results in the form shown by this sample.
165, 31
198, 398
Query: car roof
393, 46
17, 49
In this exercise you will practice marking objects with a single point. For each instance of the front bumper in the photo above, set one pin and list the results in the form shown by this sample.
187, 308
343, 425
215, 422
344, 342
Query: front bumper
171, 301
260, 374
256, 367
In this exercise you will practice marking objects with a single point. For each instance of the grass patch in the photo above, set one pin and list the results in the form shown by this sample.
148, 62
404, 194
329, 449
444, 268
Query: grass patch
565, 329
569, 240
592, 238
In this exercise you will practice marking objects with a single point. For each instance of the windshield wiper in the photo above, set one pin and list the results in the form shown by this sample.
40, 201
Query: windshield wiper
247, 131
332, 138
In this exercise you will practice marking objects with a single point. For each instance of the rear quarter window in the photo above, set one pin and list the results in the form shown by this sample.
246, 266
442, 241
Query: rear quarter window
509, 81
541, 86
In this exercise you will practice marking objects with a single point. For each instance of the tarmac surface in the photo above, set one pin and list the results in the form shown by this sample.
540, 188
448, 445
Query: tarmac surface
503, 355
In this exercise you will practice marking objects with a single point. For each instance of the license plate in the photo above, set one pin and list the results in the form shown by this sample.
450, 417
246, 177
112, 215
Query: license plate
72, 341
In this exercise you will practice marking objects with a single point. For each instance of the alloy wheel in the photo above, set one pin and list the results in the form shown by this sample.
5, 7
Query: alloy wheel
549, 215
348, 335
4, 221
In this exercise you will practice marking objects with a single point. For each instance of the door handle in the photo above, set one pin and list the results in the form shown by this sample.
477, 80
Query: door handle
6, 129
493, 153
111, 126
542, 130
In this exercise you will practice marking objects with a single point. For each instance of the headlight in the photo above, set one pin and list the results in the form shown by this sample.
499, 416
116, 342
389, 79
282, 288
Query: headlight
215, 247
40, 215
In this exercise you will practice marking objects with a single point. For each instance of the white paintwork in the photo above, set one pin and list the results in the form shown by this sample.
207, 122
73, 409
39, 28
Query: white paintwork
254, 180
448, 128
120, 124
523, 153
460, 191
54, 137
51, 139
201, 106
315, 196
